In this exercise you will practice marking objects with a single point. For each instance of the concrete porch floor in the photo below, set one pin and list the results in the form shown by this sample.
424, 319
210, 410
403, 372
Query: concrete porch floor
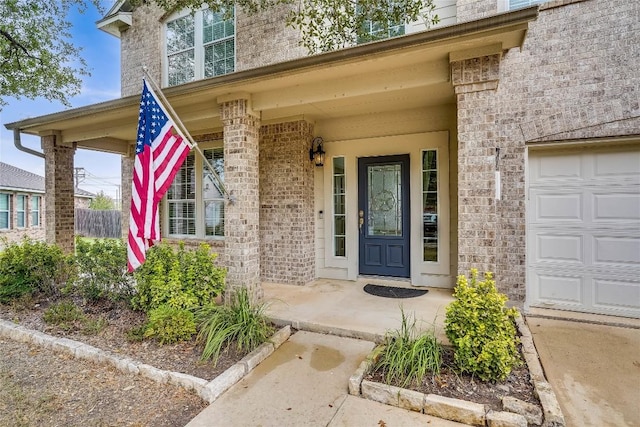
343, 308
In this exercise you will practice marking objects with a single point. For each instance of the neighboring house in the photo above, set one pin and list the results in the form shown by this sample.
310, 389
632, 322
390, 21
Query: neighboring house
22, 204
505, 139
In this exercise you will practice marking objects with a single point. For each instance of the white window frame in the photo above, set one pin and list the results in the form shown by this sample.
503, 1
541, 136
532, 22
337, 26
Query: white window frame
6, 211
200, 227
35, 212
198, 45
505, 5
334, 214
21, 213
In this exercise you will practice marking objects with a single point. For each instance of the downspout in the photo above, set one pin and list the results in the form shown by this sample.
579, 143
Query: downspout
18, 143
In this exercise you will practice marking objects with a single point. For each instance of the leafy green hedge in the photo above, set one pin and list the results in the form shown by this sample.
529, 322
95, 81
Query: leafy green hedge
481, 329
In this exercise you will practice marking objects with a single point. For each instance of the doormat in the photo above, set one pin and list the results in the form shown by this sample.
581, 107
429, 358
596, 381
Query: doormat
393, 292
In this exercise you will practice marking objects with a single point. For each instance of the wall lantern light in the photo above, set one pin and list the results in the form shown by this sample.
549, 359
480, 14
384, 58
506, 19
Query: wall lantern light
317, 154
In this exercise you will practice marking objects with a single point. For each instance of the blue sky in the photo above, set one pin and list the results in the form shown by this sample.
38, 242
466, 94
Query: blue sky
101, 51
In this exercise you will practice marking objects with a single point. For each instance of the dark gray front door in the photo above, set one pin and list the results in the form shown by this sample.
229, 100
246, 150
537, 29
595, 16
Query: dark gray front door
383, 215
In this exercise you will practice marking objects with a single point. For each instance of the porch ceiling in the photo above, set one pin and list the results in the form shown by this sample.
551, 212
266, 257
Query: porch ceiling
397, 74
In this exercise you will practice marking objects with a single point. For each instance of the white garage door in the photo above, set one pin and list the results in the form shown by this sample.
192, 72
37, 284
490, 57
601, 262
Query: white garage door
583, 230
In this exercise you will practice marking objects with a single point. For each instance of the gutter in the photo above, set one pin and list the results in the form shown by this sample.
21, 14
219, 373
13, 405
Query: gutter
18, 143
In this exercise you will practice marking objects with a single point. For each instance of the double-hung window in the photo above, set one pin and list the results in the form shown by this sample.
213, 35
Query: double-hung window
379, 30
5, 211
35, 211
199, 45
195, 203
21, 210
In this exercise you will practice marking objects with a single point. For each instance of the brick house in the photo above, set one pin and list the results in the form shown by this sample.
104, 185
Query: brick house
505, 138
22, 204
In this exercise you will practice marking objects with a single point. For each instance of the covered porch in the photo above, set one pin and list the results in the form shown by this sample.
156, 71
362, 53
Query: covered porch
410, 96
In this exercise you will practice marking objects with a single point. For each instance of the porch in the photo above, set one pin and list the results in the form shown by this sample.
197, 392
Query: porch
343, 308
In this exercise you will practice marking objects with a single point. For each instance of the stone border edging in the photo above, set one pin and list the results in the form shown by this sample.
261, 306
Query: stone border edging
516, 414
207, 390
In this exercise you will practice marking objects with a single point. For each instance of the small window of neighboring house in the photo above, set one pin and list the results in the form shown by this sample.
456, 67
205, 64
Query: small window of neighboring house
518, 4
377, 30
194, 201
35, 211
199, 45
21, 211
5, 211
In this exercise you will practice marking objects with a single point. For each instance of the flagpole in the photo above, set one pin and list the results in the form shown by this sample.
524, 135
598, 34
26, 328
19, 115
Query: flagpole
183, 129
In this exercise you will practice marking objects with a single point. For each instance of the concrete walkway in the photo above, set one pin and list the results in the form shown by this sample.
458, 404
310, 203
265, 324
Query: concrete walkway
304, 383
594, 370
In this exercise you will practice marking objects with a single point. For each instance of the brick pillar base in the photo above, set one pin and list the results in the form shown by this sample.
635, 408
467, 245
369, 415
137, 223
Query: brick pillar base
59, 193
242, 180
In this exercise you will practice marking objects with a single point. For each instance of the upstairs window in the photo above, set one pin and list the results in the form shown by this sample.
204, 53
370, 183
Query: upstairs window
372, 30
199, 45
519, 4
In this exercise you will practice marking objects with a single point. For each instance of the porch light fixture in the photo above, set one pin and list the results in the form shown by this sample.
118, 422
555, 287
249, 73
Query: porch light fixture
317, 154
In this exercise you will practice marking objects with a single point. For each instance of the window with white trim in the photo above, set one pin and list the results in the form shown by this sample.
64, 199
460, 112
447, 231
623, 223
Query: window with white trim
35, 211
376, 30
199, 45
519, 4
21, 211
430, 205
339, 208
5, 211
195, 203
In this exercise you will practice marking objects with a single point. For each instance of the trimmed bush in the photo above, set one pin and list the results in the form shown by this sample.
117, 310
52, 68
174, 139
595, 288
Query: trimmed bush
32, 267
481, 329
169, 325
178, 279
102, 268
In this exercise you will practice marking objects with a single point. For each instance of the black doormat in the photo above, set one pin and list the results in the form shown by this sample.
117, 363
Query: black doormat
393, 292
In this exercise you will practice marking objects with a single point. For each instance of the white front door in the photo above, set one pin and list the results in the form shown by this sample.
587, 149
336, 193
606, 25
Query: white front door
583, 230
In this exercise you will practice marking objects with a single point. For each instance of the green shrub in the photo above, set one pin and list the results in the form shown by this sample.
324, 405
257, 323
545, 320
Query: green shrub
102, 270
169, 325
31, 267
239, 322
65, 315
481, 329
407, 355
178, 279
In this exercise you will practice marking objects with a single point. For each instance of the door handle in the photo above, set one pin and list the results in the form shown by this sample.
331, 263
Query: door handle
361, 220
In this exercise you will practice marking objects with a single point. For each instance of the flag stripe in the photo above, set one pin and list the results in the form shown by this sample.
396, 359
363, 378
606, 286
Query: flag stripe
159, 155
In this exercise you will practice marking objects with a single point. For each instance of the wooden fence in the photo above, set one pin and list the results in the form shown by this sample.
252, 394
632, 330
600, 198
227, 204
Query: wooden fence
92, 223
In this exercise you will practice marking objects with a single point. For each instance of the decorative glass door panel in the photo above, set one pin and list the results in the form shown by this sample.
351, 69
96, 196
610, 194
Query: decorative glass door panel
384, 200
383, 216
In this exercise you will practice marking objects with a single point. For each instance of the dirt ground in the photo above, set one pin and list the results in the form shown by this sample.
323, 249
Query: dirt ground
40, 387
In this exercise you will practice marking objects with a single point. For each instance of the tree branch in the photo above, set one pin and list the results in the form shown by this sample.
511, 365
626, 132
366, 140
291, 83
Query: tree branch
15, 45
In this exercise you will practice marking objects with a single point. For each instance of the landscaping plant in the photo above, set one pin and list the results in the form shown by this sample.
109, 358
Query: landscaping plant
31, 267
407, 355
102, 267
481, 329
239, 322
179, 279
169, 325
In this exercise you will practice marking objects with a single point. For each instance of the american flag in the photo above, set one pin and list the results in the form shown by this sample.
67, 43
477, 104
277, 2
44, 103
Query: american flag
160, 152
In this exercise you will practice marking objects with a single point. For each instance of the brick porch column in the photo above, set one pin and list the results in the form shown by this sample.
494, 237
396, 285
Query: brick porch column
59, 192
242, 180
475, 82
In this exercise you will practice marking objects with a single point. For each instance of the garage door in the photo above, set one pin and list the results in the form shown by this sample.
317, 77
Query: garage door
583, 230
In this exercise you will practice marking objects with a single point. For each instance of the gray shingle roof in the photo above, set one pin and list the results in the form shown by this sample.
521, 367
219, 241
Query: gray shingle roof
13, 178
